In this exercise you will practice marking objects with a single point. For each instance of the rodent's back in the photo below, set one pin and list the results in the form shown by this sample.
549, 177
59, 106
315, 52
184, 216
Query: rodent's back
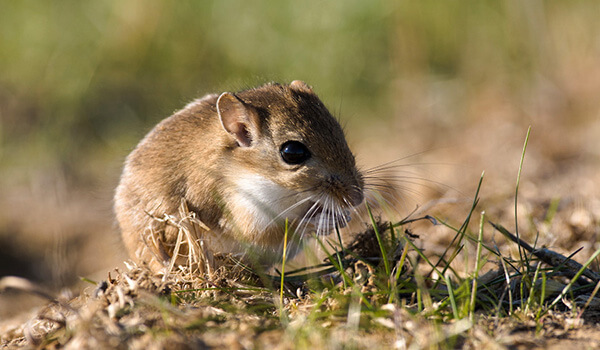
157, 174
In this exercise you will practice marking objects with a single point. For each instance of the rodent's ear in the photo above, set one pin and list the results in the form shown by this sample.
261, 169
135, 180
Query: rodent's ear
299, 85
236, 119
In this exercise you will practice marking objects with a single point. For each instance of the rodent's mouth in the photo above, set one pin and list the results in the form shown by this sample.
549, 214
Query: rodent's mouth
324, 221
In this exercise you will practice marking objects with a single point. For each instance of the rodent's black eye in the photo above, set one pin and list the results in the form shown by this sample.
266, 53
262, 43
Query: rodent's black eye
294, 152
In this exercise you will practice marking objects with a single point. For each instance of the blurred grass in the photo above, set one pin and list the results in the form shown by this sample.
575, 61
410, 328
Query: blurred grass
80, 79
78, 76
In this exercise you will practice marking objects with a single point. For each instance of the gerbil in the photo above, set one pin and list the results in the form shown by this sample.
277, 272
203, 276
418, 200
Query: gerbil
243, 163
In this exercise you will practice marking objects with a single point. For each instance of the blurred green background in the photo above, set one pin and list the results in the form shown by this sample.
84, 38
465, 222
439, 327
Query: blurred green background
82, 81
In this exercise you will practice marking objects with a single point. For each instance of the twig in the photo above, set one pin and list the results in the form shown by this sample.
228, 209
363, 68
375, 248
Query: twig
550, 257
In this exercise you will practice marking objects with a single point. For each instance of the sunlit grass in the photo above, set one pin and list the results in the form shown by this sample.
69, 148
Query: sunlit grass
382, 288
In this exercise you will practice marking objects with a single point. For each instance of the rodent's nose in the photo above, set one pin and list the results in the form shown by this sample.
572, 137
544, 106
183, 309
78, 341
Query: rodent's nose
353, 192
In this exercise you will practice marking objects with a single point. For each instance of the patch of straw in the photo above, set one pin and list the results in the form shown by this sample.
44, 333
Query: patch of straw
190, 250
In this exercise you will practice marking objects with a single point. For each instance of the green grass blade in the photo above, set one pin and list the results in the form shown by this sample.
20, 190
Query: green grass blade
396, 276
522, 256
477, 268
451, 297
463, 228
386, 263
574, 279
285, 237
532, 288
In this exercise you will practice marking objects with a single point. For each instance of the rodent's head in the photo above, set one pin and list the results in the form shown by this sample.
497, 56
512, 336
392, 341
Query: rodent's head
291, 157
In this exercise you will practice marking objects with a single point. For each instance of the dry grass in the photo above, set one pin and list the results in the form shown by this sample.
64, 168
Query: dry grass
382, 288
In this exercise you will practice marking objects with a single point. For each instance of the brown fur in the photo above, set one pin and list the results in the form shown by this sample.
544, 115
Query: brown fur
195, 155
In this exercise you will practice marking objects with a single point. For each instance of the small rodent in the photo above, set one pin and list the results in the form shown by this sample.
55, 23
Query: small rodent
243, 163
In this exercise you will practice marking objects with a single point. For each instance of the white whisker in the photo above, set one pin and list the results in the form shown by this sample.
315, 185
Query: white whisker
290, 208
